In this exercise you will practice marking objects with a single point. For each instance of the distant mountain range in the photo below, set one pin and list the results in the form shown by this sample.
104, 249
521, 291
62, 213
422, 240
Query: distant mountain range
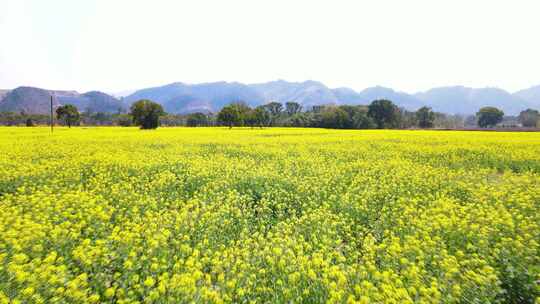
37, 101
183, 98
210, 97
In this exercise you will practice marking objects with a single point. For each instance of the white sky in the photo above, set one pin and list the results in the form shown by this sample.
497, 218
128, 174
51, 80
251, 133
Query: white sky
412, 45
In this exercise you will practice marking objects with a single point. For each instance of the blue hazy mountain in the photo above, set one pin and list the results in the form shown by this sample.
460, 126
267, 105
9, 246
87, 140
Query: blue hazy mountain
27, 99
94, 101
530, 95
404, 100
464, 100
348, 96
183, 98
307, 93
37, 101
211, 97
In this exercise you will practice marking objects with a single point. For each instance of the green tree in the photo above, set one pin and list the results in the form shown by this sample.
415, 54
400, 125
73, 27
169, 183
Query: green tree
489, 116
292, 108
334, 118
257, 117
146, 113
274, 109
357, 117
244, 111
68, 114
250, 118
234, 114
351, 111
261, 116
229, 116
384, 113
361, 120
529, 118
196, 119
425, 117
298, 120
405, 119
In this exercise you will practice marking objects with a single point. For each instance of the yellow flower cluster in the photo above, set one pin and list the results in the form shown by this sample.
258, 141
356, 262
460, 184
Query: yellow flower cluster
212, 215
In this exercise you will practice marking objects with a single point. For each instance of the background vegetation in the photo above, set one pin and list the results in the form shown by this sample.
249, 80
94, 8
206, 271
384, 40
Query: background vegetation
379, 114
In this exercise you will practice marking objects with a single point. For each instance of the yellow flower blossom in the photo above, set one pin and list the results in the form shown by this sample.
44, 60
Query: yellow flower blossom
274, 215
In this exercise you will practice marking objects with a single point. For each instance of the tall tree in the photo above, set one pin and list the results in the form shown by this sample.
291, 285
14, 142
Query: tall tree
361, 120
274, 108
250, 118
334, 118
229, 116
489, 117
529, 118
234, 114
261, 116
351, 112
299, 120
292, 108
146, 113
405, 119
425, 117
68, 114
384, 113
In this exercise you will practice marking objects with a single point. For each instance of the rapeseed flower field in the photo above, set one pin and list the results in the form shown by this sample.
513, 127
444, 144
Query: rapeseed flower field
211, 215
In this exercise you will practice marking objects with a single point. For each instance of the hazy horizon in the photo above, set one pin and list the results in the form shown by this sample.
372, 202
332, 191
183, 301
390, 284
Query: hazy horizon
126, 92
412, 46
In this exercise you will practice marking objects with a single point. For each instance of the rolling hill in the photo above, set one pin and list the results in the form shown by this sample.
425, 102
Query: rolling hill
182, 98
531, 95
211, 97
37, 101
308, 93
464, 100
205, 97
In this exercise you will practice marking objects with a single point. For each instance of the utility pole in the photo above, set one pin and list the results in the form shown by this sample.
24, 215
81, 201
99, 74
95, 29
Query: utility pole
52, 119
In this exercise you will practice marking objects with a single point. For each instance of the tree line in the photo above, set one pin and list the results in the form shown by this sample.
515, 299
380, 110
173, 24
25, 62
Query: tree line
379, 114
